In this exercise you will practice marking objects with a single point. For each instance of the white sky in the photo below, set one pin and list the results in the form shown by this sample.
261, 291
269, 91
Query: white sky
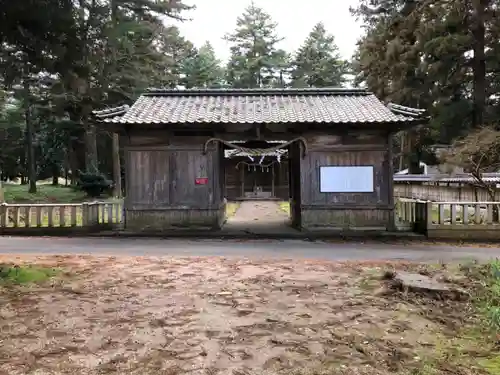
213, 19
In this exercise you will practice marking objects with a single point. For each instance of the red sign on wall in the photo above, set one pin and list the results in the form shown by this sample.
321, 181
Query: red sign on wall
201, 181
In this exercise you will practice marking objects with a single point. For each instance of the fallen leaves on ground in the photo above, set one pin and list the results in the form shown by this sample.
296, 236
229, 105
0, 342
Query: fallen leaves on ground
151, 315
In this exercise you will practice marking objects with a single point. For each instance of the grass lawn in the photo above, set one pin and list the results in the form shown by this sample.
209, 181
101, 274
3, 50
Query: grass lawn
25, 274
14, 193
231, 208
164, 315
285, 206
49, 194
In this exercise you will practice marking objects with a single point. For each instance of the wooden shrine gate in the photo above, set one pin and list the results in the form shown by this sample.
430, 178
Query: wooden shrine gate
339, 151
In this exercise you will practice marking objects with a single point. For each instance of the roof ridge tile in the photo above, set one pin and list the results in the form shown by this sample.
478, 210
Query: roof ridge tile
257, 92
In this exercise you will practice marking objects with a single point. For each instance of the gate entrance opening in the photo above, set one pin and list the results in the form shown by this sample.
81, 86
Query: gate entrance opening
257, 176
257, 184
256, 172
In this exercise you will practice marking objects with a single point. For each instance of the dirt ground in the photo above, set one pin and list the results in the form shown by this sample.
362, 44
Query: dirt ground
216, 316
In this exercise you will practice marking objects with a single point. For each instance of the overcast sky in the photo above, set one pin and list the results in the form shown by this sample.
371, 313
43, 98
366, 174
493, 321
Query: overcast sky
213, 19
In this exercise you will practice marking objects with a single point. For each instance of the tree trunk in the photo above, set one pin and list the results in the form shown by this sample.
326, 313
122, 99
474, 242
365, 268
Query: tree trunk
117, 175
479, 61
66, 167
401, 151
29, 139
72, 162
115, 149
414, 153
66, 175
55, 174
91, 162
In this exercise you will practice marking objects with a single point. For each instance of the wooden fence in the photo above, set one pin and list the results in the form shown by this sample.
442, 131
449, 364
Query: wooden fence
443, 192
451, 220
446, 220
60, 217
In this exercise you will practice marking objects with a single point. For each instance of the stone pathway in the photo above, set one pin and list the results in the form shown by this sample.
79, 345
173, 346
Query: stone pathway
259, 217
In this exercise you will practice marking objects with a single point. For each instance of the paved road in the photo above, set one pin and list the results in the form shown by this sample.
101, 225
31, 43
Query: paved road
249, 249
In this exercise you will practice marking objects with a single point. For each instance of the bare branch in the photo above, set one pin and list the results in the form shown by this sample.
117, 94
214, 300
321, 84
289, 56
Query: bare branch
477, 153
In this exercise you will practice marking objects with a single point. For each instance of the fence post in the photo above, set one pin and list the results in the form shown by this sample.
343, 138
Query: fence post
94, 213
428, 221
99, 213
3, 215
85, 214
421, 216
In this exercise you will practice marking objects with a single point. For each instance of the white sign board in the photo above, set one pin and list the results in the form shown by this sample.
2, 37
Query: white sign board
346, 179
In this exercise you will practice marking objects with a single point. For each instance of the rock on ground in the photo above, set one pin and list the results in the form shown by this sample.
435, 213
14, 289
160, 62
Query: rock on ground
421, 284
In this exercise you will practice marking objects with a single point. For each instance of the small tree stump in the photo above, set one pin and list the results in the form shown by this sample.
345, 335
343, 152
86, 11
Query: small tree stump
425, 285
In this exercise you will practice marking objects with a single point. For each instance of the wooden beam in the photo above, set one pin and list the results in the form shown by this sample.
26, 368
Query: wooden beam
343, 148
390, 183
347, 207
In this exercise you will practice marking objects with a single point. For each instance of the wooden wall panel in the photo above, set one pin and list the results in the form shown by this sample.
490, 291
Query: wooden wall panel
185, 168
346, 210
163, 190
148, 178
310, 177
346, 140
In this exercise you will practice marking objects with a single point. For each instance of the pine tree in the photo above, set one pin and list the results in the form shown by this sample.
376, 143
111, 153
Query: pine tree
318, 63
389, 62
103, 53
203, 70
175, 50
255, 59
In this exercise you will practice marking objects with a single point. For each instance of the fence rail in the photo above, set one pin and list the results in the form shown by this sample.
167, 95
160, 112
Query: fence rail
472, 220
464, 213
68, 215
450, 192
458, 220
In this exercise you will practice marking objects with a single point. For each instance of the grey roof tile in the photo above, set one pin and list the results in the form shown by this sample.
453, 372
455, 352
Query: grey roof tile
259, 106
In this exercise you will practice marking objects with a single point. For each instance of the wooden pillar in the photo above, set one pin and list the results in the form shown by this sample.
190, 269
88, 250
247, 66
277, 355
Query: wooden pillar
390, 171
272, 181
222, 173
295, 193
242, 177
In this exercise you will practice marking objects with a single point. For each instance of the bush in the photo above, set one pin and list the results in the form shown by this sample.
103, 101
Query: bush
493, 295
94, 184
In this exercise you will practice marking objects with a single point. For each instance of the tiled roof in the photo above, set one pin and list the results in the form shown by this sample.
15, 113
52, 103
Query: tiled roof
259, 106
112, 112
